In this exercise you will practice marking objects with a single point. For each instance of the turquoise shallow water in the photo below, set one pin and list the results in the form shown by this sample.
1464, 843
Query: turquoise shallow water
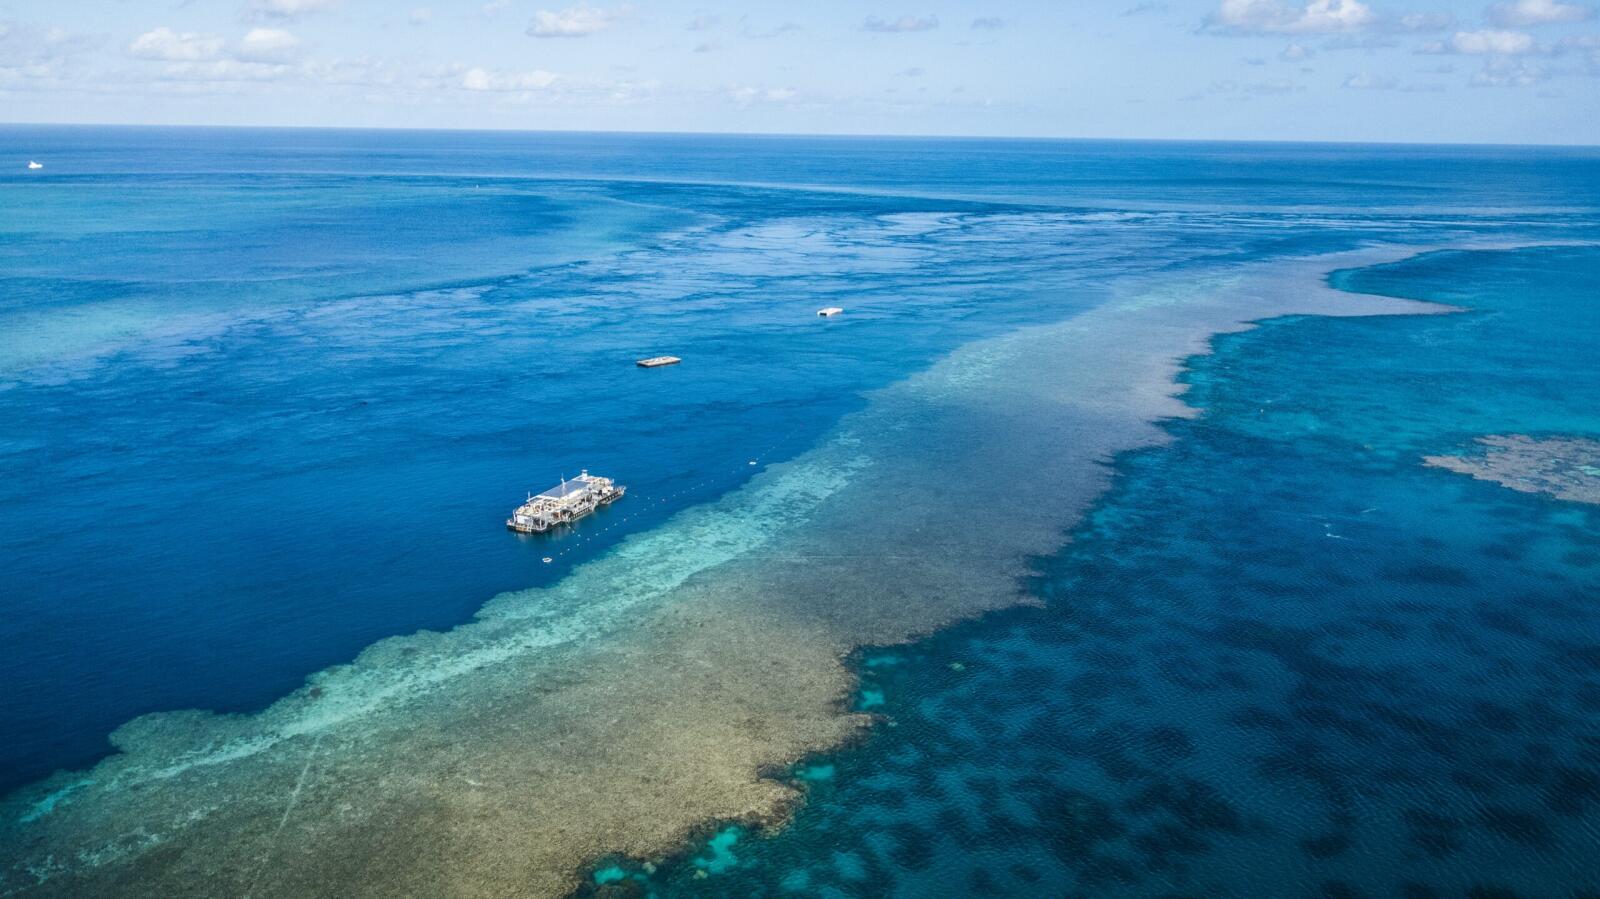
1281, 658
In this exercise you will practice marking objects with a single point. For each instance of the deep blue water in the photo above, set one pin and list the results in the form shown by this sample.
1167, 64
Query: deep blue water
1281, 658
267, 396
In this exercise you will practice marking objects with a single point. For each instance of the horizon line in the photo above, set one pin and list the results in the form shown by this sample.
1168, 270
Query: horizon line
810, 134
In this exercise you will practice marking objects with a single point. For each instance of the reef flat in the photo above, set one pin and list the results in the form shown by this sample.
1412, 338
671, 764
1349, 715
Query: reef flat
651, 691
1563, 467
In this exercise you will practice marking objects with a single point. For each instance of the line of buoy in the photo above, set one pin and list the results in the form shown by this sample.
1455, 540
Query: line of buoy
663, 499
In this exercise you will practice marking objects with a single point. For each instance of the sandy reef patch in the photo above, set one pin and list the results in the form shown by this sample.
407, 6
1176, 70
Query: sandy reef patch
1563, 467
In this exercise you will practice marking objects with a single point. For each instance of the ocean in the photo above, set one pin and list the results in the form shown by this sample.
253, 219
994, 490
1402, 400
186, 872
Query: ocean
1122, 606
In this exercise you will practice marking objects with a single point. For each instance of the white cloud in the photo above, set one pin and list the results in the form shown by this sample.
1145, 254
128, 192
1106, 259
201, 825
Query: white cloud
1487, 42
28, 51
481, 79
1424, 21
289, 9
988, 23
1267, 88
420, 16
270, 46
1368, 82
745, 96
574, 21
1503, 43
1296, 53
1537, 12
1282, 17
704, 22
902, 25
173, 46
267, 45
362, 71
1587, 47
1359, 42
785, 28
1502, 72
226, 70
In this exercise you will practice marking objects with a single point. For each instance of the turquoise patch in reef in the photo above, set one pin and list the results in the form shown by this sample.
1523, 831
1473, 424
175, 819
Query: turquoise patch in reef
610, 874
720, 850
814, 773
871, 698
48, 804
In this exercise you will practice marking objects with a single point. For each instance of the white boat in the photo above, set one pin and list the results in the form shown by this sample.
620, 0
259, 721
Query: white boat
565, 503
829, 312
35, 165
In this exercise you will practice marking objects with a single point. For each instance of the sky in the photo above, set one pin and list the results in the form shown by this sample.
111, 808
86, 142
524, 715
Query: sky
1503, 71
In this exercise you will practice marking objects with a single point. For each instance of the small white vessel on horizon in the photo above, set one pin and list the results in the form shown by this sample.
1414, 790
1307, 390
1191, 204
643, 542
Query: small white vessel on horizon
35, 165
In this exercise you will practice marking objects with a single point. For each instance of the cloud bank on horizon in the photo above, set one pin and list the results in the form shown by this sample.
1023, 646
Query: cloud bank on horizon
1508, 71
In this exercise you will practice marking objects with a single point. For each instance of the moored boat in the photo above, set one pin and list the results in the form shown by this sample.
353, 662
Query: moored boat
564, 503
